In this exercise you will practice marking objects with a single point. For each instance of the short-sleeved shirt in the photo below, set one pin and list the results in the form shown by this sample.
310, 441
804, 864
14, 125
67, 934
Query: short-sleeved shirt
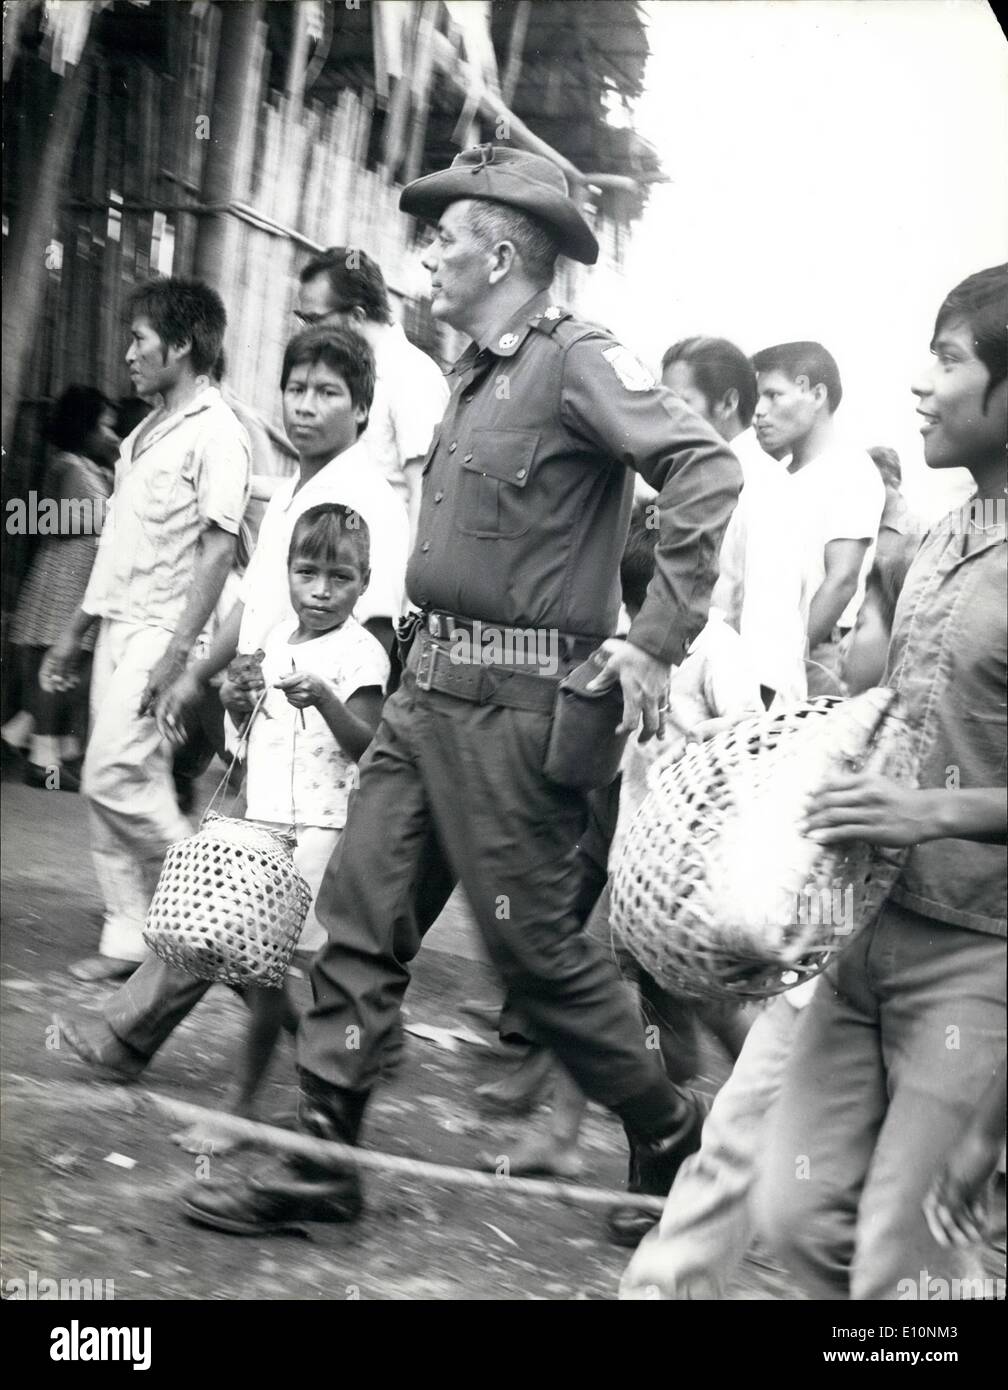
839, 496
352, 480
177, 475
409, 399
760, 584
528, 488
948, 660
297, 772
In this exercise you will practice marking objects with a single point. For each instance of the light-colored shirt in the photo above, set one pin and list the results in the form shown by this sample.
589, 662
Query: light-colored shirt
839, 496
297, 772
760, 584
409, 400
350, 479
177, 474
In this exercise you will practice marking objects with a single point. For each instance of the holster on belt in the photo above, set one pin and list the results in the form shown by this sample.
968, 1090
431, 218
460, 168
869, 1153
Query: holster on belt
405, 630
584, 749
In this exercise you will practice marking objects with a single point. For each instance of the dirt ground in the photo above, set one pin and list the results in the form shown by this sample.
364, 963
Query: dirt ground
91, 1177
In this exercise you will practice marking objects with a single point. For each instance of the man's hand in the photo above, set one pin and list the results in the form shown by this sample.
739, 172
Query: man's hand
645, 683
164, 675
866, 806
956, 1206
59, 670
303, 688
238, 700
173, 704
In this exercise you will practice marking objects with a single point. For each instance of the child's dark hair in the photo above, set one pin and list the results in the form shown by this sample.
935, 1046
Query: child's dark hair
887, 575
638, 563
74, 417
981, 303
341, 349
318, 532
130, 410
182, 311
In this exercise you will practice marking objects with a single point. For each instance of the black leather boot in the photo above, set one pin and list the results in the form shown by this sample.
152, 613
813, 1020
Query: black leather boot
654, 1163
289, 1190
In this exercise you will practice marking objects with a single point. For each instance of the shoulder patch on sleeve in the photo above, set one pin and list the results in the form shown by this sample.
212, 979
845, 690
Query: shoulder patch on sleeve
631, 372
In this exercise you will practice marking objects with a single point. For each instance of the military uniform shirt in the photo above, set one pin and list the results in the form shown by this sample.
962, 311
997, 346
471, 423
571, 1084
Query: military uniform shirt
527, 488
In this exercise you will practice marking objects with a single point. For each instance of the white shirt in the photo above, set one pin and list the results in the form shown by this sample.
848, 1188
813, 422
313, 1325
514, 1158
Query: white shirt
839, 496
297, 772
409, 399
350, 479
176, 475
760, 585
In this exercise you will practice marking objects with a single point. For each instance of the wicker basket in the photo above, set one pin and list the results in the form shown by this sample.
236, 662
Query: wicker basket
715, 892
229, 905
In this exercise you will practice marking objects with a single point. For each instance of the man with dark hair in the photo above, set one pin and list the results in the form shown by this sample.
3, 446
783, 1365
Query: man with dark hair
345, 286
836, 489
525, 509
181, 486
759, 587
328, 376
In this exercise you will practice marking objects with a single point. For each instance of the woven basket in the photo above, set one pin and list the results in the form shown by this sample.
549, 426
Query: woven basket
715, 892
229, 905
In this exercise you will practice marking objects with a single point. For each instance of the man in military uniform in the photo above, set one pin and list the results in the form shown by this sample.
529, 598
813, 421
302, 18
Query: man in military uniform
526, 502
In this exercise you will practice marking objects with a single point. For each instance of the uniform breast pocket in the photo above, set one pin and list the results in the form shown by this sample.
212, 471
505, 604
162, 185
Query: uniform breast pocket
494, 478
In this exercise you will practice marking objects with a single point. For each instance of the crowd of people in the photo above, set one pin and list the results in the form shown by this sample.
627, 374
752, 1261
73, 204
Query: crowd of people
704, 546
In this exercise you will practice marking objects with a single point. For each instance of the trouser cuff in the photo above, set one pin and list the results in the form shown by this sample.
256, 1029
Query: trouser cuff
660, 1109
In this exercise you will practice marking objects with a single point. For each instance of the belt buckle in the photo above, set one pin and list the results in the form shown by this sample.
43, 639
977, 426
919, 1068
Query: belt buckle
434, 624
425, 665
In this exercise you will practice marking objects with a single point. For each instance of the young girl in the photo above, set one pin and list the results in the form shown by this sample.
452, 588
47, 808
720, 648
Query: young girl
51, 726
324, 678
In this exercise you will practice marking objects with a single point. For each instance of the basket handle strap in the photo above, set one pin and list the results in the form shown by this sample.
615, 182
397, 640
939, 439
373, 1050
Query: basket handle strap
239, 748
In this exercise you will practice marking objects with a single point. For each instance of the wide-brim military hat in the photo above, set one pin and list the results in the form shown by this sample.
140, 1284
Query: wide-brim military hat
501, 174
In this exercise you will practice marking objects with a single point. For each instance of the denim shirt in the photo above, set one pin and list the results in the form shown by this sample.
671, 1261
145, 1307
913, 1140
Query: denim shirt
948, 659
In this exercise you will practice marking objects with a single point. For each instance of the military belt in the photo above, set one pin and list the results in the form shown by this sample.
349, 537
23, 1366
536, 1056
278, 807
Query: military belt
569, 647
435, 665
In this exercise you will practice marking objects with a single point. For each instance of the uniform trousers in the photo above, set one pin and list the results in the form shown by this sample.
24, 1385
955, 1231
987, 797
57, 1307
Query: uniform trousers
453, 790
127, 784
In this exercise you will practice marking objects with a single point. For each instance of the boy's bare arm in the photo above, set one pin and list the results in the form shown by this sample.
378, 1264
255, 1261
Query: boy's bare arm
866, 806
352, 722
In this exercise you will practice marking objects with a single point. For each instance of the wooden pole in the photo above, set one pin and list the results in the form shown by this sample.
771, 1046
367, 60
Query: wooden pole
24, 265
235, 99
287, 1141
516, 50
297, 63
